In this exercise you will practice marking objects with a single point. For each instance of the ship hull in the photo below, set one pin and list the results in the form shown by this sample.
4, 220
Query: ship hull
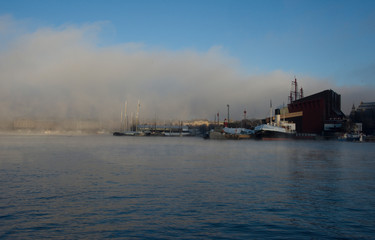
274, 135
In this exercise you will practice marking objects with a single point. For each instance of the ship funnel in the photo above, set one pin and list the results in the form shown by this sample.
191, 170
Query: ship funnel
277, 117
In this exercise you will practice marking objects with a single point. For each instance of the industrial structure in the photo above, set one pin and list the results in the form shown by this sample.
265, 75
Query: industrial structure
365, 114
319, 113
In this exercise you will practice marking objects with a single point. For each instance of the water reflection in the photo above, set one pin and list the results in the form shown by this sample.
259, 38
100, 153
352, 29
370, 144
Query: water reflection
100, 186
320, 187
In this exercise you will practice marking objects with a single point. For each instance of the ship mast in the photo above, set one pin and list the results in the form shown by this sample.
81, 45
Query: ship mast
137, 116
121, 126
125, 116
271, 112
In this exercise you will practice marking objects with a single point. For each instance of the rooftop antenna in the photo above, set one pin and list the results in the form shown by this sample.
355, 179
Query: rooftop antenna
294, 94
295, 88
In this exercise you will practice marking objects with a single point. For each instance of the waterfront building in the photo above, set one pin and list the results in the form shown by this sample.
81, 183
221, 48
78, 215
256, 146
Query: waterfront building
365, 114
197, 122
321, 113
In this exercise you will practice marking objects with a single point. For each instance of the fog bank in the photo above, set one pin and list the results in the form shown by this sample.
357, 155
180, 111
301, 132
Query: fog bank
63, 74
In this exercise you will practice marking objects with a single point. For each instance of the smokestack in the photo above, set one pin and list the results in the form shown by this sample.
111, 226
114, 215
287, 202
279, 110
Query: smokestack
277, 117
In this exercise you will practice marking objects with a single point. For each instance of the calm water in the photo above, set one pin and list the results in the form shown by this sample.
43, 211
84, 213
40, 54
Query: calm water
95, 187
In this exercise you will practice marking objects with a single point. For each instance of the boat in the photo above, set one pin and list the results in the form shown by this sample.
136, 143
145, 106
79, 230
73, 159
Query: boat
177, 131
216, 134
229, 133
124, 124
272, 132
176, 134
129, 133
237, 133
279, 130
352, 137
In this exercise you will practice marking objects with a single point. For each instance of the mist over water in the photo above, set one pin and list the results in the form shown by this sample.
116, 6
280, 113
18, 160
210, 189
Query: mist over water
63, 73
96, 187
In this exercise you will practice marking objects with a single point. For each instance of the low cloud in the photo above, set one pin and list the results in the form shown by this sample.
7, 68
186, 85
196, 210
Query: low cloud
63, 74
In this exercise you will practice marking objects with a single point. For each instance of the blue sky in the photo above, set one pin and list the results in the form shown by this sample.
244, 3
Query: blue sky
317, 41
327, 39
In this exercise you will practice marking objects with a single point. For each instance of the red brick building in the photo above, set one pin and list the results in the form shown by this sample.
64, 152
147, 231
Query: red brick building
321, 113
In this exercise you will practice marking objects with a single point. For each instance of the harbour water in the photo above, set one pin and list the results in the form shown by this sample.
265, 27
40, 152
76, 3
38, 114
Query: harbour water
98, 186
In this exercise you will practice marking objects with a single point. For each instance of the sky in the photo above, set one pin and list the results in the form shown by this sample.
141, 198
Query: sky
182, 59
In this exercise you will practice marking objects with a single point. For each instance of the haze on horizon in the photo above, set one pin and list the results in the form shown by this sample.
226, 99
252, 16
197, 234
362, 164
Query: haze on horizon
66, 72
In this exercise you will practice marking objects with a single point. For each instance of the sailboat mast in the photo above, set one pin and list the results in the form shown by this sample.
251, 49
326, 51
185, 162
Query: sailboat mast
126, 117
121, 121
137, 117
132, 121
